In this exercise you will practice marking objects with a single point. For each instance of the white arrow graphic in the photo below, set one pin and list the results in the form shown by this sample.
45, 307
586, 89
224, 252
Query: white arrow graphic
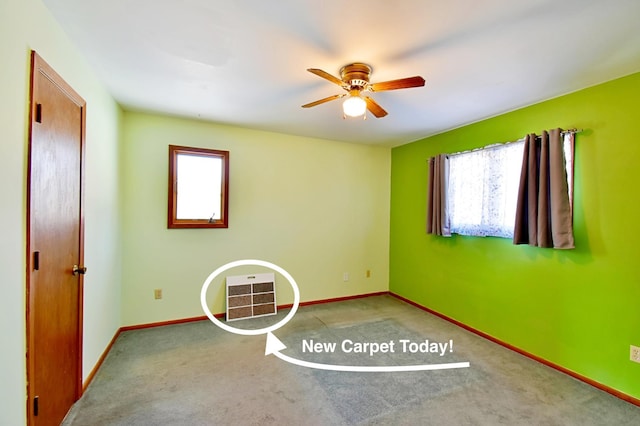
274, 346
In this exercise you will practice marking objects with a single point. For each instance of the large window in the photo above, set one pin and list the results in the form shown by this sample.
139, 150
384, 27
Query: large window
198, 188
483, 185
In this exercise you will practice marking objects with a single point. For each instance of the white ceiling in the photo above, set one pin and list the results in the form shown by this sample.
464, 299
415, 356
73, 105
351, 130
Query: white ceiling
244, 62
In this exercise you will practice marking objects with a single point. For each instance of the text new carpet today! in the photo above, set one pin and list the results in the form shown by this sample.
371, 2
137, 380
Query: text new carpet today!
348, 346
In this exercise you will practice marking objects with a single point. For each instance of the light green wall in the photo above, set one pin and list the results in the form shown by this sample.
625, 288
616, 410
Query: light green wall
576, 308
314, 207
26, 25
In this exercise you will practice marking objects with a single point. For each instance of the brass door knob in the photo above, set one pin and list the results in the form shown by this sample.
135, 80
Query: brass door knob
79, 270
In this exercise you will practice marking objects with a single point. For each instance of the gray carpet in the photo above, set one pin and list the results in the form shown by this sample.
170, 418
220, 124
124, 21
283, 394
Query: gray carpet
358, 397
198, 374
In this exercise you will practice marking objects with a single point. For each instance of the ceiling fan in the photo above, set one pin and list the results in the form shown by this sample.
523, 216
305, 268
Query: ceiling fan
355, 80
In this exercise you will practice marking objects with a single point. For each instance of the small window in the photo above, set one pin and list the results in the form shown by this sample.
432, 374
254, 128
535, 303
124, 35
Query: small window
198, 188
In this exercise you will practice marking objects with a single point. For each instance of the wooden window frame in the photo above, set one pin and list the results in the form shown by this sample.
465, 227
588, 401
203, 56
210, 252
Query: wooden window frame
173, 221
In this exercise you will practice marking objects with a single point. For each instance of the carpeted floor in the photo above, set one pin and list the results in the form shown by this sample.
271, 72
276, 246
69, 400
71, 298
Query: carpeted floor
198, 374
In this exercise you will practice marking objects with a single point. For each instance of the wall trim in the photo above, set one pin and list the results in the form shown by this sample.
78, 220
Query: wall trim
98, 363
575, 375
222, 314
335, 299
170, 322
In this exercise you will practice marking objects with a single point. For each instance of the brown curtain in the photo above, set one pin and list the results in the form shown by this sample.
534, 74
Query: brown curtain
438, 217
543, 215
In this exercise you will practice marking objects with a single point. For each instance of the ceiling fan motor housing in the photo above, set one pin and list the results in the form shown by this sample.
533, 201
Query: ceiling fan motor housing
356, 75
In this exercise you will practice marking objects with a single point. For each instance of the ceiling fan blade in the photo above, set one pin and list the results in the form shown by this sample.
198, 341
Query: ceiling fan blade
375, 109
402, 83
326, 76
321, 101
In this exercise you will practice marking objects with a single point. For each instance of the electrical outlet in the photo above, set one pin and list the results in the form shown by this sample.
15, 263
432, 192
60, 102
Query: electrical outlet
368, 273
635, 354
345, 276
157, 293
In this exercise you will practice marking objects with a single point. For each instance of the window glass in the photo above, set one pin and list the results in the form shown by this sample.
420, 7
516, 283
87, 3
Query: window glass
483, 190
198, 188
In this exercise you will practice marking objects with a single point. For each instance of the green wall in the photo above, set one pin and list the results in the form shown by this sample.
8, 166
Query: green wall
577, 308
316, 208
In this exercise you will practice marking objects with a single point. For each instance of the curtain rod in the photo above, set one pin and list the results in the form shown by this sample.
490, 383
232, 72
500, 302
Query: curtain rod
497, 144
574, 131
562, 132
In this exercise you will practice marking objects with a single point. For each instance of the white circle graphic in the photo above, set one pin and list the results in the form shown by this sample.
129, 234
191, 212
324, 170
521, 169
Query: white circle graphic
214, 274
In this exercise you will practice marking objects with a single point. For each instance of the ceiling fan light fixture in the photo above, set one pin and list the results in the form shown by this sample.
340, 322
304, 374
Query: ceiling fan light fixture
354, 78
354, 106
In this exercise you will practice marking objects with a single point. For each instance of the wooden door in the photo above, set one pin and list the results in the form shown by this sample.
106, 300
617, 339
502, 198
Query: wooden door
54, 246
